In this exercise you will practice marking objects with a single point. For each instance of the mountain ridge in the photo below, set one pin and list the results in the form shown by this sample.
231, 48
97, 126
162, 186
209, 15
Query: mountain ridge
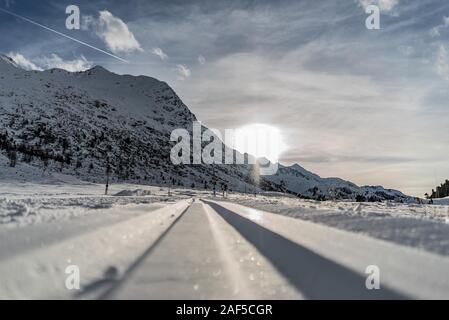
83, 122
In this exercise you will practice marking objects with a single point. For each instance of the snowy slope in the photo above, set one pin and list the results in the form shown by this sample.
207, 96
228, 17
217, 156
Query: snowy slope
79, 123
297, 180
443, 202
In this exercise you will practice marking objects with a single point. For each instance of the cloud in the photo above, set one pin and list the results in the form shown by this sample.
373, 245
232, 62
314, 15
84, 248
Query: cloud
23, 62
319, 110
158, 52
183, 72
436, 31
384, 5
442, 62
87, 22
55, 61
406, 50
201, 59
50, 62
292, 66
114, 32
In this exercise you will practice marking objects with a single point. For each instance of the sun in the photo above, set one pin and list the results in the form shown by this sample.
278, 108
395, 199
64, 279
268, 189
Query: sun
260, 140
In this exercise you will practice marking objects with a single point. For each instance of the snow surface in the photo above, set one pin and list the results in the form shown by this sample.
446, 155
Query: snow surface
46, 227
101, 253
443, 201
326, 263
417, 225
203, 257
131, 193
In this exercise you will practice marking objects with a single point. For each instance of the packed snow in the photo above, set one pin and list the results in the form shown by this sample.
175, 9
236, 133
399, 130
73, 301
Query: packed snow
422, 226
419, 225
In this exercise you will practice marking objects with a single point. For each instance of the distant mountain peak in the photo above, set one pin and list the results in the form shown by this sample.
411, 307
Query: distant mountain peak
98, 69
296, 167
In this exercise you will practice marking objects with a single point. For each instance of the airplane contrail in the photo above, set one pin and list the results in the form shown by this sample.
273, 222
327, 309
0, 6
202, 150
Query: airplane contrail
62, 34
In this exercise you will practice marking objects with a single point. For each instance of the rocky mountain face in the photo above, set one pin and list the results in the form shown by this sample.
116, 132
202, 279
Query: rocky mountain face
97, 123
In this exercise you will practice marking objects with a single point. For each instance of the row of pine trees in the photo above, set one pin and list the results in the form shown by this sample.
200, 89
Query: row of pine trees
441, 191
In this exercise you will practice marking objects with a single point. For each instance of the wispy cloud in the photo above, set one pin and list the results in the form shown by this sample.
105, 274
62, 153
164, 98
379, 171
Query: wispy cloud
384, 5
50, 62
114, 32
442, 62
201, 59
183, 72
23, 62
436, 31
55, 61
160, 53
60, 33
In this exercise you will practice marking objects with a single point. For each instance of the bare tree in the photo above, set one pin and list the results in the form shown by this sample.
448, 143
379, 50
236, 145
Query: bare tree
108, 171
12, 158
44, 165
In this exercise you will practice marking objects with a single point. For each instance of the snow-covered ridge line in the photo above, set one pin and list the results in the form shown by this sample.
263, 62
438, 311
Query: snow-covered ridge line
79, 123
303, 183
9, 61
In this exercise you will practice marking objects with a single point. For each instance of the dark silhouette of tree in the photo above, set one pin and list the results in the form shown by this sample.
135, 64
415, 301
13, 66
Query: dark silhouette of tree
441, 191
108, 171
12, 156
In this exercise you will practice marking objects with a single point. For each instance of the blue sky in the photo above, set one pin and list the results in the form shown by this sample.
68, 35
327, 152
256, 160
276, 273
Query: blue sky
369, 106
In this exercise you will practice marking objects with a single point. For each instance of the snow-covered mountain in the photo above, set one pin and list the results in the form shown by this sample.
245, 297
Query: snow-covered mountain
78, 123
297, 180
81, 123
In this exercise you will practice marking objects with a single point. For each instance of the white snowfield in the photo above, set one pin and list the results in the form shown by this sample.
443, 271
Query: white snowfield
143, 243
